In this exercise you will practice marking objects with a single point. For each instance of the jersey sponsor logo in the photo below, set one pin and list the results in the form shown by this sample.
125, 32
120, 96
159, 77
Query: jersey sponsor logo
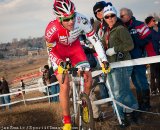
95, 38
84, 20
53, 57
75, 33
51, 31
63, 40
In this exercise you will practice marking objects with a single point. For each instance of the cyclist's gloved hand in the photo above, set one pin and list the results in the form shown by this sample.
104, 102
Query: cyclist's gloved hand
105, 66
61, 67
110, 51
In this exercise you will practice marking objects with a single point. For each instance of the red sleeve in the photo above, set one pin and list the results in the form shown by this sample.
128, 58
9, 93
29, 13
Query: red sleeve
51, 36
51, 32
143, 31
150, 49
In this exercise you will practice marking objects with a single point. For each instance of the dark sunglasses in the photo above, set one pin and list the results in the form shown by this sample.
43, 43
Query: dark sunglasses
67, 19
122, 16
111, 16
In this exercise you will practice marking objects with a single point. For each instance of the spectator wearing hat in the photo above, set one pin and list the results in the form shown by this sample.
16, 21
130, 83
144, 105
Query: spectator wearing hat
142, 43
100, 30
98, 12
119, 42
155, 67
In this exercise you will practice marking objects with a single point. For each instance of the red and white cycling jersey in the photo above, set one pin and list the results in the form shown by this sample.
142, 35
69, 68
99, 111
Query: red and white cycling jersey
64, 41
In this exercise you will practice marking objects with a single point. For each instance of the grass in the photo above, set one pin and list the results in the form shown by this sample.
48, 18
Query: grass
48, 116
17, 67
41, 114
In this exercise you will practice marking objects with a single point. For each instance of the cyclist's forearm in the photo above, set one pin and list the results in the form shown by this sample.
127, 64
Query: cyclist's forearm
93, 38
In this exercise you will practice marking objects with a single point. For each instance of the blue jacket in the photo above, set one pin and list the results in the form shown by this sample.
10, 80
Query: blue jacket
156, 41
159, 28
142, 37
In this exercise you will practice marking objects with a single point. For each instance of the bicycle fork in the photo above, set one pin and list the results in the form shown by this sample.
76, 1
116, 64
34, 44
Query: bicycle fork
75, 94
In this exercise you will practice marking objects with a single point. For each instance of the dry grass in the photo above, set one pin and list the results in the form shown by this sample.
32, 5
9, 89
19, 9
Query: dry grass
42, 114
17, 67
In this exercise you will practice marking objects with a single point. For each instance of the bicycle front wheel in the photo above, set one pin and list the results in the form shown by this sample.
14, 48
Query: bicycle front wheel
86, 121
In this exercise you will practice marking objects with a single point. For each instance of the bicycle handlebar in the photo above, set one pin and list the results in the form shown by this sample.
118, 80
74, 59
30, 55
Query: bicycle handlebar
73, 70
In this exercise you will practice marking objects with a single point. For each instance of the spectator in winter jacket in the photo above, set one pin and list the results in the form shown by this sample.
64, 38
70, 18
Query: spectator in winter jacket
48, 78
151, 22
155, 67
4, 89
142, 39
98, 12
101, 27
119, 42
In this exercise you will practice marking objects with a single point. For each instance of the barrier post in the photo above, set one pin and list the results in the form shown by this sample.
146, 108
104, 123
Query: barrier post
114, 104
48, 94
23, 97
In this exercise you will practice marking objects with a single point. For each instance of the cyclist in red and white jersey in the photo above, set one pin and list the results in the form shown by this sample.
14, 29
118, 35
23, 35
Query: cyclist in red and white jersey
63, 33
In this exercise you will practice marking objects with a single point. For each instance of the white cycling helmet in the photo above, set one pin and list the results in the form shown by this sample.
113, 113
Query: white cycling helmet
63, 8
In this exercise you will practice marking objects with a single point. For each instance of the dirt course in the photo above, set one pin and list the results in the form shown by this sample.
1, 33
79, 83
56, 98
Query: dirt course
47, 116
44, 116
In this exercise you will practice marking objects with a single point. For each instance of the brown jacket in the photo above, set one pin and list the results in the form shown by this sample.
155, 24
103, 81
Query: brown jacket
4, 88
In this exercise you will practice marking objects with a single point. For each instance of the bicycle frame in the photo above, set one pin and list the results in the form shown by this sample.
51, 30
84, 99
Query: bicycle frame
77, 91
76, 97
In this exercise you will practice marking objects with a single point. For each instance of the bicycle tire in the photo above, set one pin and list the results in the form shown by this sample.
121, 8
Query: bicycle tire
83, 108
74, 116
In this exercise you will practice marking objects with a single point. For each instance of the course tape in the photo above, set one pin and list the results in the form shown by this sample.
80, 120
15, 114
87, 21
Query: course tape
139, 61
102, 101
